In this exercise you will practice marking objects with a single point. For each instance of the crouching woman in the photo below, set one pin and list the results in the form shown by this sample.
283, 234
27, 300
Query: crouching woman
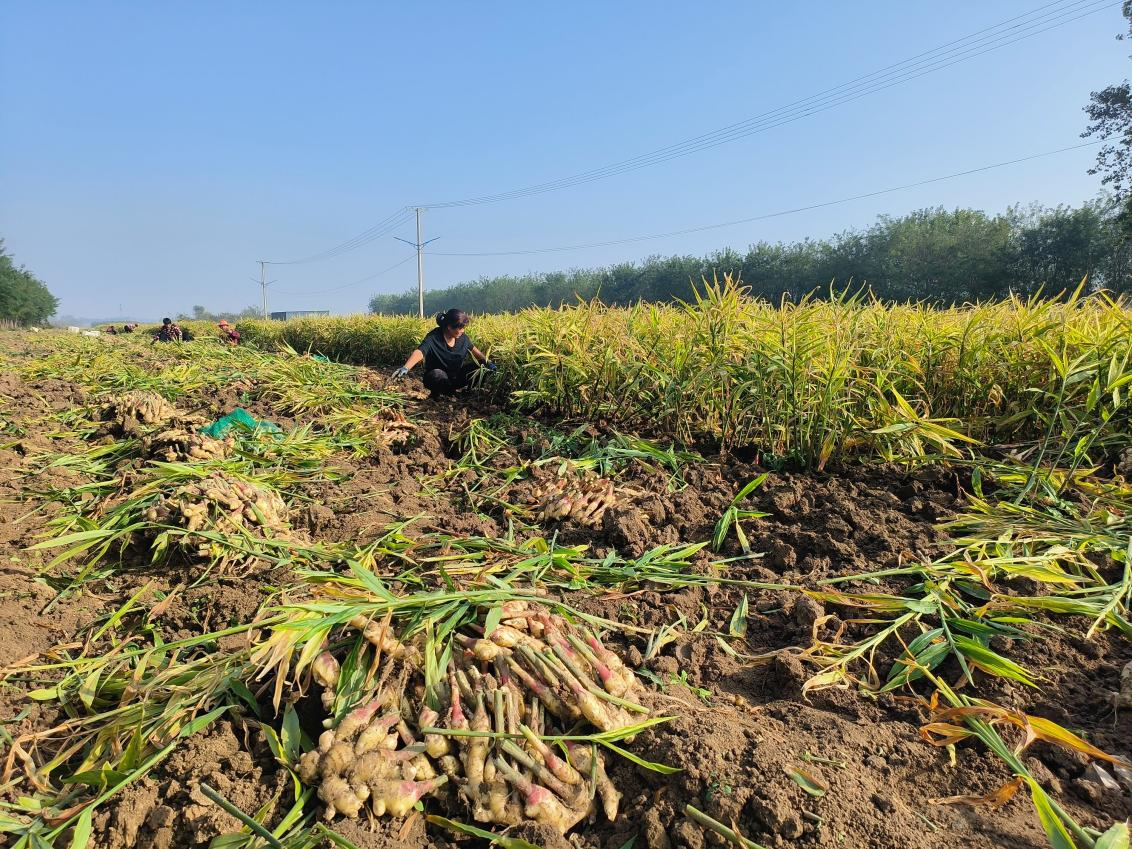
444, 352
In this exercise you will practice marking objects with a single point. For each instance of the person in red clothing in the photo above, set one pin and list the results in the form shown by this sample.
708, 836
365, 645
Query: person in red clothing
444, 351
228, 333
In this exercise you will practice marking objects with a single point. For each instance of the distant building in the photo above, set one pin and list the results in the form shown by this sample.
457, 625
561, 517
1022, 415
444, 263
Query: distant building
283, 316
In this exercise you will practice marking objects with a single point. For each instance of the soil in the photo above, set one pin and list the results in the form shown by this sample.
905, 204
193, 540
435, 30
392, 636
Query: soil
740, 726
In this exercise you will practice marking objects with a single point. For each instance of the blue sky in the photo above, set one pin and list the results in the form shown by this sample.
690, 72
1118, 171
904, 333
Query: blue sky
151, 153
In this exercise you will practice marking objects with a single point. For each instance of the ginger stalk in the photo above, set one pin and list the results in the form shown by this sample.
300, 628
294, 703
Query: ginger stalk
357, 719
616, 667
562, 770
465, 685
474, 757
501, 671
610, 796
541, 805
539, 666
535, 716
554, 704
616, 684
586, 681
514, 708
570, 794
499, 704
510, 638
590, 706
591, 762
456, 718
499, 725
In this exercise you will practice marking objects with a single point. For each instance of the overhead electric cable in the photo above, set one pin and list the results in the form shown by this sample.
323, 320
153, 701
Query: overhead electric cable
1003, 34
853, 90
769, 214
381, 228
349, 285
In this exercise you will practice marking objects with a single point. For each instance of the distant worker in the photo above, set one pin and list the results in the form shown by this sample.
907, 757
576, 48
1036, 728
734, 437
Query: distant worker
186, 334
129, 328
111, 329
228, 333
169, 332
443, 351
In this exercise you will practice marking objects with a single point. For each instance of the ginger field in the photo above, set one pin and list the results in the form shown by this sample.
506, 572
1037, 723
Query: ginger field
826, 574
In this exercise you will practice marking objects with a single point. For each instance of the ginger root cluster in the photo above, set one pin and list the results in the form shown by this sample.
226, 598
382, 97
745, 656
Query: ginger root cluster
478, 736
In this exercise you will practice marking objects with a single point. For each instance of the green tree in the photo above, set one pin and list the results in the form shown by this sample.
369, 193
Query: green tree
24, 298
936, 255
1110, 118
1060, 246
199, 313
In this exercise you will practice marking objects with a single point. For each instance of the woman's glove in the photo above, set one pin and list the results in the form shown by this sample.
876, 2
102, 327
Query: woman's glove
400, 372
490, 366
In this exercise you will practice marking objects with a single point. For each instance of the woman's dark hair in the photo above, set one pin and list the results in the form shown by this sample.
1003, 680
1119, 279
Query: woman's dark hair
166, 321
452, 318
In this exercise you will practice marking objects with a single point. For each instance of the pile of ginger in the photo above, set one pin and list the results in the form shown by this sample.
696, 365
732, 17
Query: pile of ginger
482, 735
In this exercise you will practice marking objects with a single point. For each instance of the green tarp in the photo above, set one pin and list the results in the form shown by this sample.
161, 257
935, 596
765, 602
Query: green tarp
239, 417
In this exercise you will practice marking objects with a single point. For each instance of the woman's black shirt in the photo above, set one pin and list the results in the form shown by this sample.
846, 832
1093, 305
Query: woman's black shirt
437, 354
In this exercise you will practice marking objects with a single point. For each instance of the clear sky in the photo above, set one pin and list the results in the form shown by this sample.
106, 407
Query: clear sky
151, 153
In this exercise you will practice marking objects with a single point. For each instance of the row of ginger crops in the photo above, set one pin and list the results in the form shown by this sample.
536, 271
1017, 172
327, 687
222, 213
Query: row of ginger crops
451, 674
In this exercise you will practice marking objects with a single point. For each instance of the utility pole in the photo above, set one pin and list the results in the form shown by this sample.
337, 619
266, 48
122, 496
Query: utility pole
419, 245
263, 283
420, 268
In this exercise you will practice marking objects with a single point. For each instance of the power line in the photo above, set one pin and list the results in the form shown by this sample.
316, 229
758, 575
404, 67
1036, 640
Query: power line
381, 228
853, 90
995, 37
770, 214
349, 285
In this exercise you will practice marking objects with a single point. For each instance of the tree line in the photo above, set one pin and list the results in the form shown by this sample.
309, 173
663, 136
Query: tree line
199, 313
934, 255
24, 298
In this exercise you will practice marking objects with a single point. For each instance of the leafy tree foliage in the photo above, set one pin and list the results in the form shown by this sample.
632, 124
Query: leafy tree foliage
24, 298
1110, 118
937, 255
199, 313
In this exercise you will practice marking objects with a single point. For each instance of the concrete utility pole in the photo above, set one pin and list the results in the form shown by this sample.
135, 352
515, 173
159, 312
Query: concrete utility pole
420, 268
263, 284
419, 245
